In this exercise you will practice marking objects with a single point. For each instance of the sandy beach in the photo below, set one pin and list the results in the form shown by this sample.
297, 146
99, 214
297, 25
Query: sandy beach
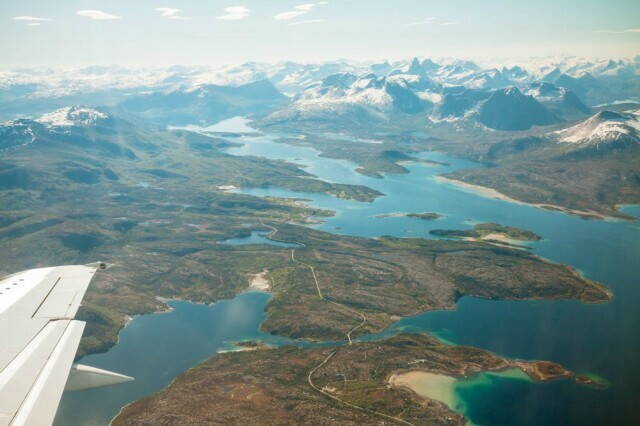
492, 193
260, 281
427, 385
227, 188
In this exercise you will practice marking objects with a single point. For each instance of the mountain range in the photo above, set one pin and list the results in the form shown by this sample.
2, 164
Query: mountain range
455, 106
26, 91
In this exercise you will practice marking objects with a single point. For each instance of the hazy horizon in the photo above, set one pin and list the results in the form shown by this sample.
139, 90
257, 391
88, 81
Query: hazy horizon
153, 33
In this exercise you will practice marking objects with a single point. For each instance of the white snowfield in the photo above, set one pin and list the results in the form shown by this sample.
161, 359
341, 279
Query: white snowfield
72, 116
373, 97
293, 77
343, 91
555, 96
39, 342
601, 129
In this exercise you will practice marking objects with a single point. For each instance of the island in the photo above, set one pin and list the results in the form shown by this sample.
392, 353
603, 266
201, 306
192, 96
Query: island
489, 232
375, 156
425, 216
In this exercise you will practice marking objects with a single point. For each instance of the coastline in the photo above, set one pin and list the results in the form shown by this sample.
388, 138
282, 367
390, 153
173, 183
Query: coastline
492, 193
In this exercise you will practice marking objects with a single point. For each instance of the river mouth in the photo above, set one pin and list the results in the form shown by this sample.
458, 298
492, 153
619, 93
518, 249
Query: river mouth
601, 339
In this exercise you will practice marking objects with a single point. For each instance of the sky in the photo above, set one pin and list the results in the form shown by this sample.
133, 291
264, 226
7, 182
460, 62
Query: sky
213, 32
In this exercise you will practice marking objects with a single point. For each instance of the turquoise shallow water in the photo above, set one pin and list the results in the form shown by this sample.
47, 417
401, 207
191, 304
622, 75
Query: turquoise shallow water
602, 339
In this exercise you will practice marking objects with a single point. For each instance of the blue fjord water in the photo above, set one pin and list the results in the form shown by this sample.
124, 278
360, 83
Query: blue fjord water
258, 237
598, 339
156, 348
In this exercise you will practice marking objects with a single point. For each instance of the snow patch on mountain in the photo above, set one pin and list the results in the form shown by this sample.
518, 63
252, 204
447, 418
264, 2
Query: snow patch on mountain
432, 97
16, 134
72, 116
603, 128
546, 92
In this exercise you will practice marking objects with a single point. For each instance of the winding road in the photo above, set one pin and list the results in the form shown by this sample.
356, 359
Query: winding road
348, 334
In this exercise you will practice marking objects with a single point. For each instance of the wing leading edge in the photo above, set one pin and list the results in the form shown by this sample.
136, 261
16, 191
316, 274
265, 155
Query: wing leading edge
39, 342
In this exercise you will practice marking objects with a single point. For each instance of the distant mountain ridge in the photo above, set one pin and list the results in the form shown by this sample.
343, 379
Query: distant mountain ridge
594, 81
206, 103
440, 89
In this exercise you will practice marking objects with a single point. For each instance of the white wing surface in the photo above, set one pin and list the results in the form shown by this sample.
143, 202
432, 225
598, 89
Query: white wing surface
38, 342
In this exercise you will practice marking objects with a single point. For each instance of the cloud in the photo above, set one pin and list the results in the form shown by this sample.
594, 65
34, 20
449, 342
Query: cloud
426, 21
305, 7
30, 18
31, 21
433, 21
235, 13
97, 15
299, 10
285, 16
308, 21
628, 31
170, 13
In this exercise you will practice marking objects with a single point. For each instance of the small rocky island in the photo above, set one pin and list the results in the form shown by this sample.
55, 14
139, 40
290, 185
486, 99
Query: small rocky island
425, 216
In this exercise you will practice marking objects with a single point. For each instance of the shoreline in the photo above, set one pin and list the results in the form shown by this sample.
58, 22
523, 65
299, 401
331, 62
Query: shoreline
487, 192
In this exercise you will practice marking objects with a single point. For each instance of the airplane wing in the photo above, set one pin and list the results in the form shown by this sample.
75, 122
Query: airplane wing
38, 342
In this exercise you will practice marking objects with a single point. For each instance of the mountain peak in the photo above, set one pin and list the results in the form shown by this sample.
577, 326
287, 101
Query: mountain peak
415, 68
510, 91
607, 115
510, 109
429, 65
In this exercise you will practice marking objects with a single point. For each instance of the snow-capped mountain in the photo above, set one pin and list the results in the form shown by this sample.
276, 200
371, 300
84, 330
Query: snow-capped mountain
356, 98
25, 131
73, 116
501, 109
409, 90
74, 128
603, 129
17, 133
415, 75
459, 102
